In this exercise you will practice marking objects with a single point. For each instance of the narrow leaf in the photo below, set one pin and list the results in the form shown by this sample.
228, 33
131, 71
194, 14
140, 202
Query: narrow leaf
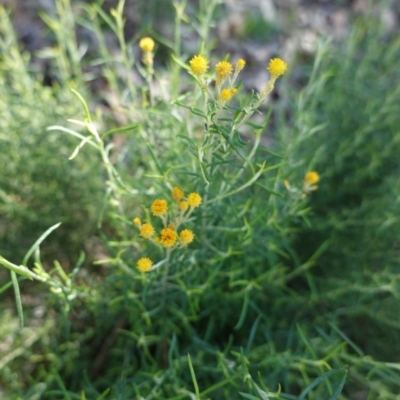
120, 130
38, 242
317, 381
196, 386
269, 190
253, 125
84, 104
155, 159
340, 387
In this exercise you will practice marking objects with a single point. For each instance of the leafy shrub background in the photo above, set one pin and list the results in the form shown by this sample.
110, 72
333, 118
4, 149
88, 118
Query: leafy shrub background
355, 146
277, 289
37, 187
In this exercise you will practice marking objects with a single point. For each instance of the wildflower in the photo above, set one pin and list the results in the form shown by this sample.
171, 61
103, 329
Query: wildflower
183, 205
177, 193
223, 69
311, 177
146, 44
159, 207
240, 64
277, 67
168, 237
144, 264
137, 221
198, 65
146, 231
194, 200
286, 183
226, 94
186, 236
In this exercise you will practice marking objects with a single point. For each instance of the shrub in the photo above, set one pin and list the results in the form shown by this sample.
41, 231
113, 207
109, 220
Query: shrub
215, 276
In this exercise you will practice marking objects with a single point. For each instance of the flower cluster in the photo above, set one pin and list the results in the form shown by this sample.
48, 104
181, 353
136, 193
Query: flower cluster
223, 70
169, 236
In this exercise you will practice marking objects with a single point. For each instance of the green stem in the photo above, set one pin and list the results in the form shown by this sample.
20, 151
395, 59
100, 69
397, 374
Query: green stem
18, 299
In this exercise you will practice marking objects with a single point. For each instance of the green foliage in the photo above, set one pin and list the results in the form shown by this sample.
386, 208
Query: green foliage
37, 187
347, 128
268, 301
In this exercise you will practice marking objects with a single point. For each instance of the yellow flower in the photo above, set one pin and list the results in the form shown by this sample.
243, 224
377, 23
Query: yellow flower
186, 236
226, 94
168, 237
240, 65
146, 231
199, 65
177, 193
144, 264
183, 205
223, 69
137, 221
146, 44
277, 67
311, 177
159, 207
194, 200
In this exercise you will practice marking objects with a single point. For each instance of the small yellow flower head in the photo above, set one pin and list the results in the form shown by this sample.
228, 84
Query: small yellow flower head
183, 205
159, 207
226, 94
186, 236
146, 231
194, 200
144, 264
240, 64
277, 67
177, 193
198, 65
168, 237
223, 69
286, 183
311, 177
146, 44
137, 221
